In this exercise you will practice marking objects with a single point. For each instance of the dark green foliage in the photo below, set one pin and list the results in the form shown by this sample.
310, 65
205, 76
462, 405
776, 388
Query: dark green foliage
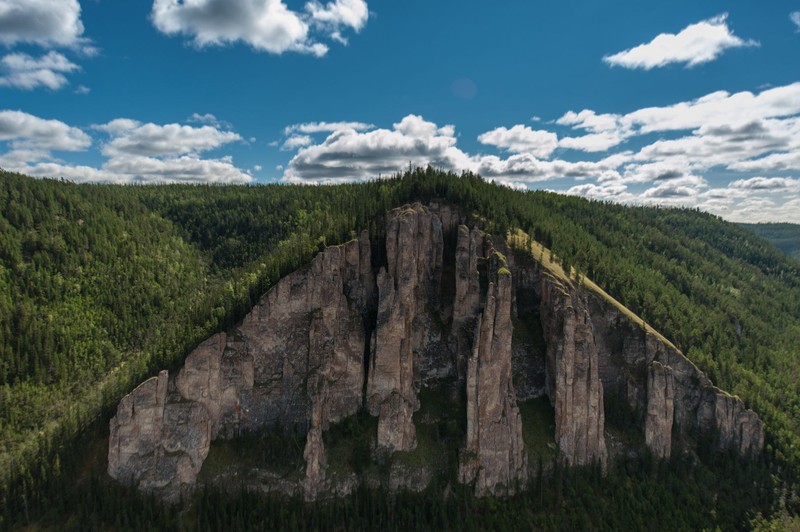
100, 286
785, 237
636, 495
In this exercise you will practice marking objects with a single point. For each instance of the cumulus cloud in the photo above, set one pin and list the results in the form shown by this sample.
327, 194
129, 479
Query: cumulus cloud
296, 141
348, 154
766, 183
694, 45
795, 17
680, 187
135, 152
593, 142
325, 127
350, 13
25, 72
266, 25
607, 191
25, 131
48, 23
130, 137
521, 139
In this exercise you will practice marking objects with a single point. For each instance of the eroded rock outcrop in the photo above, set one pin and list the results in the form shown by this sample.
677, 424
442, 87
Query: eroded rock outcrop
296, 360
408, 292
437, 315
494, 456
660, 409
573, 380
646, 370
158, 445
467, 301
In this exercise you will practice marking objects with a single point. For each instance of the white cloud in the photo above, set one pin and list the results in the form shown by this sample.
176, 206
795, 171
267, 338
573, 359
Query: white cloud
266, 25
25, 131
593, 142
186, 168
208, 119
296, 141
351, 13
136, 152
527, 167
348, 154
25, 72
521, 139
701, 153
681, 187
694, 45
590, 121
48, 23
325, 127
130, 137
725, 126
795, 17
607, 191
766, 183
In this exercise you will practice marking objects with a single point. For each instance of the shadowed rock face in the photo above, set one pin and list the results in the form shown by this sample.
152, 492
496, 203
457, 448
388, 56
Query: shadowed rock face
660, 409
156, 445
675, 396
573, 381
494, 456
300, 357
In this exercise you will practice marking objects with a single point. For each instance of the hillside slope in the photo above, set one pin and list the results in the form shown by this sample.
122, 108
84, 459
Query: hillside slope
197, 258
785, 237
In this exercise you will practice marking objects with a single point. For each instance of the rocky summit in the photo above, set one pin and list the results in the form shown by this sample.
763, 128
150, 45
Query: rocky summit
432, 303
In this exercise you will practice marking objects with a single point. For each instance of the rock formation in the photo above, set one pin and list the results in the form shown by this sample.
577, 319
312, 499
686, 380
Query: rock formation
436, 315
647, 371
295, 360
660, 410
573, 379
467, 301
156, 445
494, 456
408, 291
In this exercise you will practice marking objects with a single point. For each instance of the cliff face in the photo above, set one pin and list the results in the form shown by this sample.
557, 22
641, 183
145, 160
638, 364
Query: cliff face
652, 376
573, 380
437, 315
158, 445
296, 360
494, 456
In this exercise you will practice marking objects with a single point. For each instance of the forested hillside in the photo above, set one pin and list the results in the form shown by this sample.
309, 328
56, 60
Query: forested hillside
102, 285
785, 237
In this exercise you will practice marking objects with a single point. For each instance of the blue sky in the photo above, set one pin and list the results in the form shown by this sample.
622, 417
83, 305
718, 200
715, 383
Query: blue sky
675, 103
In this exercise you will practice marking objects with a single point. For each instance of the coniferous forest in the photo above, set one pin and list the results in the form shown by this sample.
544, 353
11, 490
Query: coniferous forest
103, 285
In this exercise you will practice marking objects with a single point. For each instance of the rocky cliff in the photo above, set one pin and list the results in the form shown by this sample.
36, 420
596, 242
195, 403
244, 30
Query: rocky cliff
573, 379
494, 456
359, 330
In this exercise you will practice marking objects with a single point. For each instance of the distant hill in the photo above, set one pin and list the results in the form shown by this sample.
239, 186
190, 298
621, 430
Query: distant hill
785, 237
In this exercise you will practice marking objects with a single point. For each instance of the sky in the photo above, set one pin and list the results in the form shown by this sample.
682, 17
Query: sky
679, 103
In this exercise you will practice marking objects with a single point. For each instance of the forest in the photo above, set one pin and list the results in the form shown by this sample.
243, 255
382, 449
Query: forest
785, 237
102, 285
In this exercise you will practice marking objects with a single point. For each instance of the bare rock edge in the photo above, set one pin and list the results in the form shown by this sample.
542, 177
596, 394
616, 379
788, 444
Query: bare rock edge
302, 355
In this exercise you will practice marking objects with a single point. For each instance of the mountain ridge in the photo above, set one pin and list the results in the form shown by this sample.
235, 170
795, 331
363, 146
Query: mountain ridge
723, 296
